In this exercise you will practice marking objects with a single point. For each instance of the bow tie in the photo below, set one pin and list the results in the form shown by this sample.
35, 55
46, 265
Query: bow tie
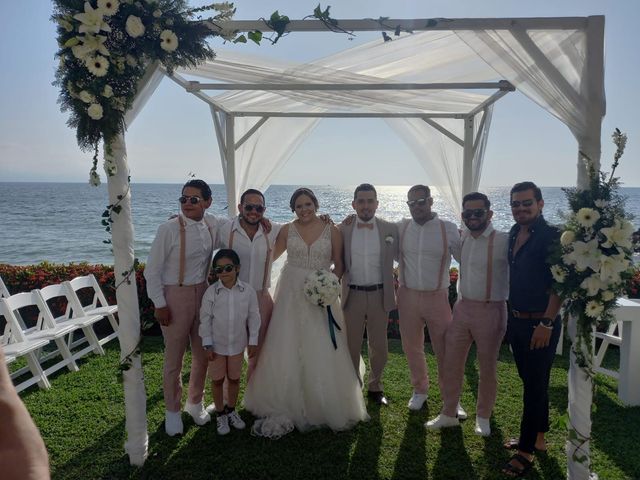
365, 225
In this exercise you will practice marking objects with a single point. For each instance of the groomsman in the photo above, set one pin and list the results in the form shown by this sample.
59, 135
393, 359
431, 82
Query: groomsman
479, 316
252, 237
370, 246
426, 246
176, 274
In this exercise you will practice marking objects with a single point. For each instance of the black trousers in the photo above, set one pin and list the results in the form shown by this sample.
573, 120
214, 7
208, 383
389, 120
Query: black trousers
534, 368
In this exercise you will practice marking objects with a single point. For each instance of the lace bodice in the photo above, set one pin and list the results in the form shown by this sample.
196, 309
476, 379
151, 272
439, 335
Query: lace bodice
314, 256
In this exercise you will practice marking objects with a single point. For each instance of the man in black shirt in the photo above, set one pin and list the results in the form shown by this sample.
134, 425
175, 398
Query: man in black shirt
533, 327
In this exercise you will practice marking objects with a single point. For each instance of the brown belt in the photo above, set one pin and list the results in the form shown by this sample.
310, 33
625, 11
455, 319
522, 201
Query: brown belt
518, 314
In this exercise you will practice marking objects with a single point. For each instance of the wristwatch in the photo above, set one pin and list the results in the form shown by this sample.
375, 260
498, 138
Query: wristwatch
208, 347
546, 322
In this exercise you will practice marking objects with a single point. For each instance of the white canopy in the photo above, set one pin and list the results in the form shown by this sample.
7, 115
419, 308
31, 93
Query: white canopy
420, 84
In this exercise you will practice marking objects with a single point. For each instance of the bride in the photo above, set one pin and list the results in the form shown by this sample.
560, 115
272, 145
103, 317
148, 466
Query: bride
301, 380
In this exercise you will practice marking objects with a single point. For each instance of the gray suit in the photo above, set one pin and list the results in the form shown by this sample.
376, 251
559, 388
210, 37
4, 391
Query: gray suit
370, 308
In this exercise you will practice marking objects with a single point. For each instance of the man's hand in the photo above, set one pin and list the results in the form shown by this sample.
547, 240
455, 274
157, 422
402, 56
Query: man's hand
252, 351
162, 315
326, 218
211, 355
540, 338
266, 224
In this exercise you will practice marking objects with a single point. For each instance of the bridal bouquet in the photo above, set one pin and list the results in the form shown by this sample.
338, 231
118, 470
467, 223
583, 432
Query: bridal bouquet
322, 288
592, 265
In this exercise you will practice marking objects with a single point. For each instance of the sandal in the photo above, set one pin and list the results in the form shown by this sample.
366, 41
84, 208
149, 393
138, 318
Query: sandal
512, 444
512, 470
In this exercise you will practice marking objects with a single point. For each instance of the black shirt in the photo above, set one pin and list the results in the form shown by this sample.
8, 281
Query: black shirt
529, 273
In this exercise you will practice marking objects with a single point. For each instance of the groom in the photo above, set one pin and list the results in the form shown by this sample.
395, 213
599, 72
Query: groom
370, 246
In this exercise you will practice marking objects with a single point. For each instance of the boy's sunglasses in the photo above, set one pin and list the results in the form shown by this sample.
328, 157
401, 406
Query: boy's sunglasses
193, 199
226, 268
249, 207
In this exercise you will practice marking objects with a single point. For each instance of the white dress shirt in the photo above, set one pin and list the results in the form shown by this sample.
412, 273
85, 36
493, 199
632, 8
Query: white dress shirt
163, 263
473, 266
252, 253
421, 253
228, 316
366, 265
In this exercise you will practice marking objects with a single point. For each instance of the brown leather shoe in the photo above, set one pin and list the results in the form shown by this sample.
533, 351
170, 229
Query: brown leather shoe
378, 398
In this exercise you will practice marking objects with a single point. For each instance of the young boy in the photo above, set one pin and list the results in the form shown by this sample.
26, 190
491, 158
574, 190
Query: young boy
176, 274
229, 321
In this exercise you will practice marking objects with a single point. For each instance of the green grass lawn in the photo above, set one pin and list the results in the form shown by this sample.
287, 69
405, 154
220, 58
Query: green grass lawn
82, 421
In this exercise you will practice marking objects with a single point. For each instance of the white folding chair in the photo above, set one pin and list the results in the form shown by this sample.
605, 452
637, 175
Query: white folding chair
98, 305
45, 328
65, 293
4, 291
611, 337
16, 345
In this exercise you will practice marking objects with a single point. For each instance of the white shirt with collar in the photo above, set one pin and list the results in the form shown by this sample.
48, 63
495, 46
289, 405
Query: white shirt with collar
366, 264
473, 266
163, 263
229, 318
252, 253
421, 253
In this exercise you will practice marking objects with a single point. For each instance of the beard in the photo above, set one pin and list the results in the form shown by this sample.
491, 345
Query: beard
477, 227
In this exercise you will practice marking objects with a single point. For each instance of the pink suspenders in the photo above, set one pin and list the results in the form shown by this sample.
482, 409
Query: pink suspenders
489, 280
183, 242
445, 251
265, 273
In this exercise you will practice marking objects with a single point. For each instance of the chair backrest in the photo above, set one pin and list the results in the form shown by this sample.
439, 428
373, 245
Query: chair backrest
9, 307
61, 292
89, 281
32, 299
4, 291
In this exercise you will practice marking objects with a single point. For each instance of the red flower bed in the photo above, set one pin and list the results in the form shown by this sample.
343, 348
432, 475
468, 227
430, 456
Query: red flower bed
633, 289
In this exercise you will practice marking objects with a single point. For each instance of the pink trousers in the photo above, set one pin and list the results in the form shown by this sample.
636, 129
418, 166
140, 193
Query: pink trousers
482, 322
265, 305
416, 309
184, 306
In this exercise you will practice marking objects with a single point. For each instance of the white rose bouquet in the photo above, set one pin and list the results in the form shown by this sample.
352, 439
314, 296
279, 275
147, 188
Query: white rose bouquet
592, 264
322, 288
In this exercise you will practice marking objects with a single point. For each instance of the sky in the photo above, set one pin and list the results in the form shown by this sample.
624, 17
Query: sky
173, 136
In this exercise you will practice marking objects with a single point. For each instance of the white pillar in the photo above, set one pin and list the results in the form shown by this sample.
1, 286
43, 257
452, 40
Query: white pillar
467, 162
230, 180
135, 396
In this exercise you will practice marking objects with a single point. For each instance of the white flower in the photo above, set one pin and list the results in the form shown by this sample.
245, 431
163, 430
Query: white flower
64, 23
608, 295
86, 97
592, 285
594, 309
584, 255
620, 234
169, 21
107, 91
321, 287
611, 266
94, 178
600, 203
81, 52
157, 13
118, 103
93, 43
95, 111
134, 26
559, 273
567, 238
388, 239
97, 65
131, 60
108, 7
587, 217
168, 40
91, 20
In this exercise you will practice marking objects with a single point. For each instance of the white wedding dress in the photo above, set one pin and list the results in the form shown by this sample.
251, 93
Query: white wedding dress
301, 381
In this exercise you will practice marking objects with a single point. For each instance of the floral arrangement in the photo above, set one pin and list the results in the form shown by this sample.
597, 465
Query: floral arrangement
105, 47
593, 262
321, 288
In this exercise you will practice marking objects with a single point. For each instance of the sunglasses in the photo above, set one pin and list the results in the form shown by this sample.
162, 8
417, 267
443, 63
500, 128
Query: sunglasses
249, 207
226, 268
474, 212
193, 199
419, 202
524, 203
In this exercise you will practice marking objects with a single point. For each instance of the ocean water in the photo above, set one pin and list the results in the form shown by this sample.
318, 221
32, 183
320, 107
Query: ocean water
61, 222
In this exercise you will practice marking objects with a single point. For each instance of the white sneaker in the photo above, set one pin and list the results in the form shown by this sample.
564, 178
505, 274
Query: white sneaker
222, 421
210, 409
417, 401
235, 421
462, 415
198, 413
173, 423
483, 427
442, 421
